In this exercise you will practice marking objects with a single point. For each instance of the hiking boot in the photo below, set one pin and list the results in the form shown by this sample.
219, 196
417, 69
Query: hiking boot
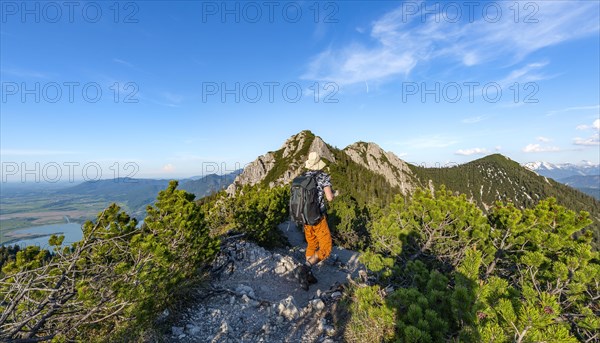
311, 278
302, 275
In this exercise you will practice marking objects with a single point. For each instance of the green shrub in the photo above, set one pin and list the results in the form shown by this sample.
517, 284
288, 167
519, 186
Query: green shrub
348, 223
110, 285
515, 275
255, 211
258, 212
371, 320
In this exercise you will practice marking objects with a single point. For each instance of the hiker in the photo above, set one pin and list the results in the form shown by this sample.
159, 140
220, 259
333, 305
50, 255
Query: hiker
317, 236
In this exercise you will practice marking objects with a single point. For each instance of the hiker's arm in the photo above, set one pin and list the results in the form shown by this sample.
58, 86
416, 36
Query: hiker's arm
328, 193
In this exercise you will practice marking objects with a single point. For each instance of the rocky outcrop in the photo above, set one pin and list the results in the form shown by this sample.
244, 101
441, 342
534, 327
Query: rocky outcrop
288, 162
387, 164
291, 156
320, 147
254, 173
297, 157
254, 296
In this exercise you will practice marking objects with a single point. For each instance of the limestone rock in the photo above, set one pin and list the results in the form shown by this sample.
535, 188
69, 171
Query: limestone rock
225, 328
387, 164
288, 309
317, 304
254, 172
280, 270
290, 153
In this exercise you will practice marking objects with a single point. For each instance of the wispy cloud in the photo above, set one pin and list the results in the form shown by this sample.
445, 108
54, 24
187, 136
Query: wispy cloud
357, 64
399, 43
470, 152
529, 73
473, 120
128, 64
540, 148
595, 108
595, 125
594, 139
123, 62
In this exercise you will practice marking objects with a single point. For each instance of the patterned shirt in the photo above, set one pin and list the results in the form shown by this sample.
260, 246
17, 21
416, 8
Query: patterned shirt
323, 180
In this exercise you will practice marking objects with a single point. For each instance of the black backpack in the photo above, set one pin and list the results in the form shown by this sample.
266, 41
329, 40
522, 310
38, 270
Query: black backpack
304, 200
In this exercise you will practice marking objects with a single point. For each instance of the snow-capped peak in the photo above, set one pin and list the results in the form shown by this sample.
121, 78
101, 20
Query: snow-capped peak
541, 166
561, 170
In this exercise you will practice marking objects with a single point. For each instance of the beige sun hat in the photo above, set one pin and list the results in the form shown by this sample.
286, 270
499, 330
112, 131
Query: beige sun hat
314, 162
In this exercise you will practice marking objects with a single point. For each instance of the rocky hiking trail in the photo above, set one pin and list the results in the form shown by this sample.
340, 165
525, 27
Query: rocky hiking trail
254, 295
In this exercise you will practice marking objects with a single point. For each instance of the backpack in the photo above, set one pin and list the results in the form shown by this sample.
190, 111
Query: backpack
304, 200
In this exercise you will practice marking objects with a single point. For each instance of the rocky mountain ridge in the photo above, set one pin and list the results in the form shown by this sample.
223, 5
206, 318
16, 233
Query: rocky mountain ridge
372, 156
282, 166
366, 172
499, 174
292, 155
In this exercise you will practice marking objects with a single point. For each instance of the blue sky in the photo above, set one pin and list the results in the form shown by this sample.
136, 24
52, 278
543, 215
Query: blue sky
173, 87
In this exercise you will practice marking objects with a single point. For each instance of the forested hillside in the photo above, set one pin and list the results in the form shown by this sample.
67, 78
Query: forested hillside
497, 178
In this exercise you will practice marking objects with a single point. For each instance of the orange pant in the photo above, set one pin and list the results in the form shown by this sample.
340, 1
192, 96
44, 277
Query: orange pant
319, 239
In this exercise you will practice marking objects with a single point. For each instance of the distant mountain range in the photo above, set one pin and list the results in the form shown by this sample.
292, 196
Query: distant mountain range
202, 186
584, 176
583, 181
139, 193
563, 170
589, 184
23, 205
366, 173
135, 194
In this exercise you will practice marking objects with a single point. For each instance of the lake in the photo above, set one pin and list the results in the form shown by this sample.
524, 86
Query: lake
71, 231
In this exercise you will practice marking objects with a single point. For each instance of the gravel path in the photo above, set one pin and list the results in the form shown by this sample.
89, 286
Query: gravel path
255, 297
